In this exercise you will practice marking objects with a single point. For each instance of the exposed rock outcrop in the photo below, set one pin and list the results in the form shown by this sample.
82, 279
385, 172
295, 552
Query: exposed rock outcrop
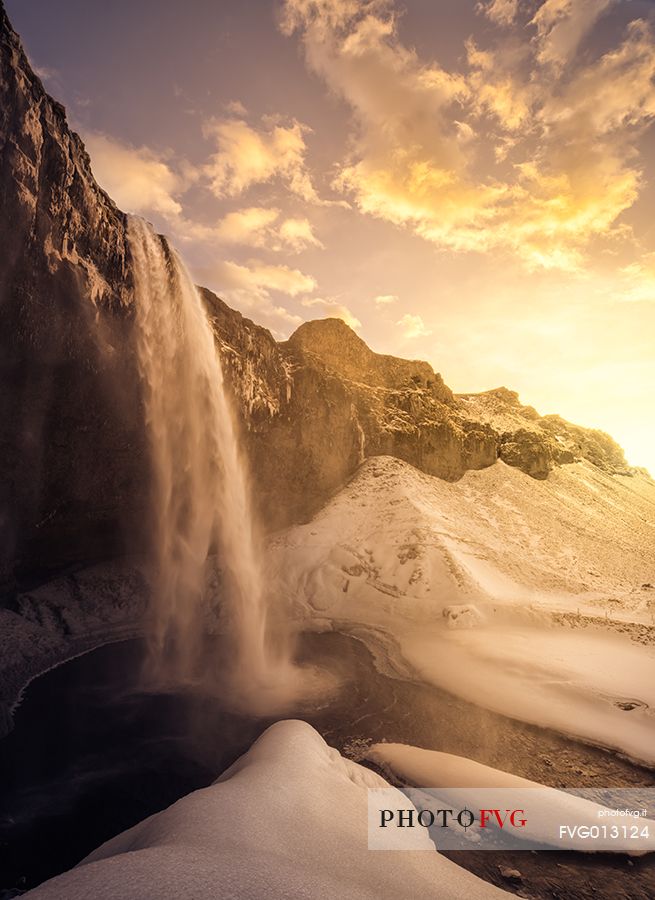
309, 419
337, 346
403, 407
72, 438
537, 443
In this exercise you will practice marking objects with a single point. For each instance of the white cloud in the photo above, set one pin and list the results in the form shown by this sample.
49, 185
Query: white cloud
297, 234
562, 25
413, 326
260, 276
248, 156
502, 12
385, 300
136, 178
334, 310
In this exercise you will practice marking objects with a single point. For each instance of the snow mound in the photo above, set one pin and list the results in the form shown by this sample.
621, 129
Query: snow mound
582, 540
288, 819
531, 598
463, 781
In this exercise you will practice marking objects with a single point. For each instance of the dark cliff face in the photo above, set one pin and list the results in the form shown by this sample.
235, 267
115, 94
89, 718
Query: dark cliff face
72, 439
69, 411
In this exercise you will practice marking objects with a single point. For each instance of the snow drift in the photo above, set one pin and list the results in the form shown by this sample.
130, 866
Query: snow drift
288, 819
533, 599
465, 783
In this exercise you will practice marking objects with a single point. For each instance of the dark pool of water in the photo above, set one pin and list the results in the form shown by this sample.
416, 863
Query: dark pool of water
91, 754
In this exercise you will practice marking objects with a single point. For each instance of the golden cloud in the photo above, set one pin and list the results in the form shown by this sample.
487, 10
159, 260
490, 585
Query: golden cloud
259, 276
258, 226
251, 287
334, 310
413, 326
502, 12
564, 131
136, 178
637, 281
249, 226
562, 25
385, 300
247, 156
297, 234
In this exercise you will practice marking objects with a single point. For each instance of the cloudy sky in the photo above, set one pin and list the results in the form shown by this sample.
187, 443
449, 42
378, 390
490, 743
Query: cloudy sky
465, 182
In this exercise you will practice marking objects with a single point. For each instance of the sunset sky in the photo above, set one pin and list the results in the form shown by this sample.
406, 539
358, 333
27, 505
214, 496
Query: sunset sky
467, 183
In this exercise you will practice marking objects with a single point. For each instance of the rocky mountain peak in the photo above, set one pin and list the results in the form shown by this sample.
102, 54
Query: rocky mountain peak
336, 344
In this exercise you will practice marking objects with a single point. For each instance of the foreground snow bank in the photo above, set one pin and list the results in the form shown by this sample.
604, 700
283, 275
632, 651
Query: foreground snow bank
288, 819
463, 782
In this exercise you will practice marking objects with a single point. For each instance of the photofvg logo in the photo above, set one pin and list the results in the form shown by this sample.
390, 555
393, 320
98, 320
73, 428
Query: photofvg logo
443, 818
599, 820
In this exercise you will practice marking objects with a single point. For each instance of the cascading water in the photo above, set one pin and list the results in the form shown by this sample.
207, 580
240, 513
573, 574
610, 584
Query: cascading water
201, 501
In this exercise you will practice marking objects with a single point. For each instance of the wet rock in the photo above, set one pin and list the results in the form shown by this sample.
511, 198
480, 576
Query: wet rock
513, 876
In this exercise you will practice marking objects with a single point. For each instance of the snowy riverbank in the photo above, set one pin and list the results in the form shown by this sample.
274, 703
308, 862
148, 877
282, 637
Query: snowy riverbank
62, 619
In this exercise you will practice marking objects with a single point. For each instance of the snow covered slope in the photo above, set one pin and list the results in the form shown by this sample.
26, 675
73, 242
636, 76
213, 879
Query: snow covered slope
288, 819
531, 598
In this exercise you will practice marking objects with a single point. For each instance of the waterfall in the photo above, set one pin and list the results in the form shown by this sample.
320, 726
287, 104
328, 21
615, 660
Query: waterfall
201, 500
